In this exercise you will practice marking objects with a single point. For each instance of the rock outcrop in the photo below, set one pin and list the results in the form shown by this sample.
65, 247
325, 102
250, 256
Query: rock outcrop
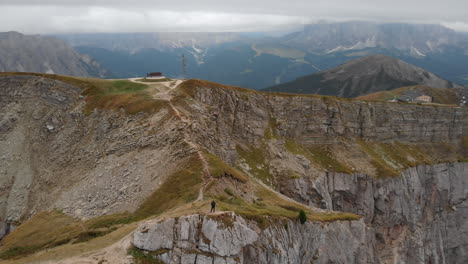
419, 217
53, 155
229, 238
230, 116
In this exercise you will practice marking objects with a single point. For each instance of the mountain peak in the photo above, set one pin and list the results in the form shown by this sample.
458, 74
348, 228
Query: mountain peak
363, 76
36, 53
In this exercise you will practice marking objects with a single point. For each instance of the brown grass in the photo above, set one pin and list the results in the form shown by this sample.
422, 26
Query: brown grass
321, 155
51, 229
441, 96
180, 188
257, 161
270, 206
189, 87
48, 230
220, 169
109, 94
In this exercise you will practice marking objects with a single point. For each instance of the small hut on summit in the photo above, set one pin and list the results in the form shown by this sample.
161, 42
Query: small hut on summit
154, 74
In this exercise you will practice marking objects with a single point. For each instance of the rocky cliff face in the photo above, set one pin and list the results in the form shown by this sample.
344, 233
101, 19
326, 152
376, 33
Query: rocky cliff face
231, 116
229, 238
419, 217
326, 153
52, 155
27, 53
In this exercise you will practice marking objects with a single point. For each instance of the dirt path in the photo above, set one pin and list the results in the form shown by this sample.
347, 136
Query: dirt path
162, 91
159, 92
115, 253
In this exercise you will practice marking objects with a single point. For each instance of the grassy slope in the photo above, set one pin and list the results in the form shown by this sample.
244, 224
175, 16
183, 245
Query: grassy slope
267, 203
189, 87
177, 195
440, 96
174, 198
108, 94
386, 159
155, 80
51, 229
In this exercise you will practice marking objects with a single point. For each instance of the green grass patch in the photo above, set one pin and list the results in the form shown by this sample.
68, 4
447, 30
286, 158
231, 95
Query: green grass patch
320, 155
106, 221
270, 207
180, 188
465, 141
109, 87
120, 94
228, 191
270, 131
109, 94
441, 96
144, 257
258, 163
154, 80
293, 175
389, 159
132, 103
219, 168
51, 229
47, 230
91, 234
381, 165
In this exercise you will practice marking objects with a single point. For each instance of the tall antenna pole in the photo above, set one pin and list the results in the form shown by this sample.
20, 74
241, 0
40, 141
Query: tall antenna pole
184, 66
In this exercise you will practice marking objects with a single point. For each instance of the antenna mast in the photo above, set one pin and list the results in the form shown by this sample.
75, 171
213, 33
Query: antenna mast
184, 66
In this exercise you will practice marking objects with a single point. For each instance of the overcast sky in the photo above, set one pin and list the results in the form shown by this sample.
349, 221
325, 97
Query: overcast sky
64, 16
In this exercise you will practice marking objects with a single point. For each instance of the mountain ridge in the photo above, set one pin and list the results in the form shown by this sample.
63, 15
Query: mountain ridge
415, 39
362, 76
90, 158
36, 53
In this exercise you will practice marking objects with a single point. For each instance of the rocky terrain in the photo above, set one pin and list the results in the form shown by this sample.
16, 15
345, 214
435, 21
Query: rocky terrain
35, 53
363, 76
418, 217
133, 42
415, 39
381, 182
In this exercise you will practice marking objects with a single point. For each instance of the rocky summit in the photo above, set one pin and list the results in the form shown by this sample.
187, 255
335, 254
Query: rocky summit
35, 53
125, 171
375, 73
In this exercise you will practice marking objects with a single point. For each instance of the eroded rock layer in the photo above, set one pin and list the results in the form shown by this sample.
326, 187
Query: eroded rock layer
419, 217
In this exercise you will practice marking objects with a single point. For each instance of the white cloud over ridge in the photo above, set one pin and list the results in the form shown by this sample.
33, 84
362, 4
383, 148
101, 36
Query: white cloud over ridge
54, 16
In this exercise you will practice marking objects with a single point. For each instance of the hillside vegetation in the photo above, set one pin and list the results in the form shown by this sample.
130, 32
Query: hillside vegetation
249, 151
440, 96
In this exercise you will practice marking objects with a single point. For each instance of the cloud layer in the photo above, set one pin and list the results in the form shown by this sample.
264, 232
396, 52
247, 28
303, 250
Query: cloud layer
53, 16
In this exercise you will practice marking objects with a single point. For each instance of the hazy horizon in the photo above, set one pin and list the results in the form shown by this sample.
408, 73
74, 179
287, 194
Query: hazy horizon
105, 16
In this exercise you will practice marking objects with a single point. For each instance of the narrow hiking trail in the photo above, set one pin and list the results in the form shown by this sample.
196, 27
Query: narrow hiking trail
162, 91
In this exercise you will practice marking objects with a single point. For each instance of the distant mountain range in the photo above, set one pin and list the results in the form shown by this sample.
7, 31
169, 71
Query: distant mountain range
27, 53
258, 61
413, 39
249, 60
363, 76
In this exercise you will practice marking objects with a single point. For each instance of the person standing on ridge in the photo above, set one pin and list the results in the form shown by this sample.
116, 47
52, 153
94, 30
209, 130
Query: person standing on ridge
213, 206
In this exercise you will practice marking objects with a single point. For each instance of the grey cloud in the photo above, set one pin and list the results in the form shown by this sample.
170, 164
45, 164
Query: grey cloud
216, 15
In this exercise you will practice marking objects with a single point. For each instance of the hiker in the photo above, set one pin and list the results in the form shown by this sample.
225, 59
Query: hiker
213, 206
